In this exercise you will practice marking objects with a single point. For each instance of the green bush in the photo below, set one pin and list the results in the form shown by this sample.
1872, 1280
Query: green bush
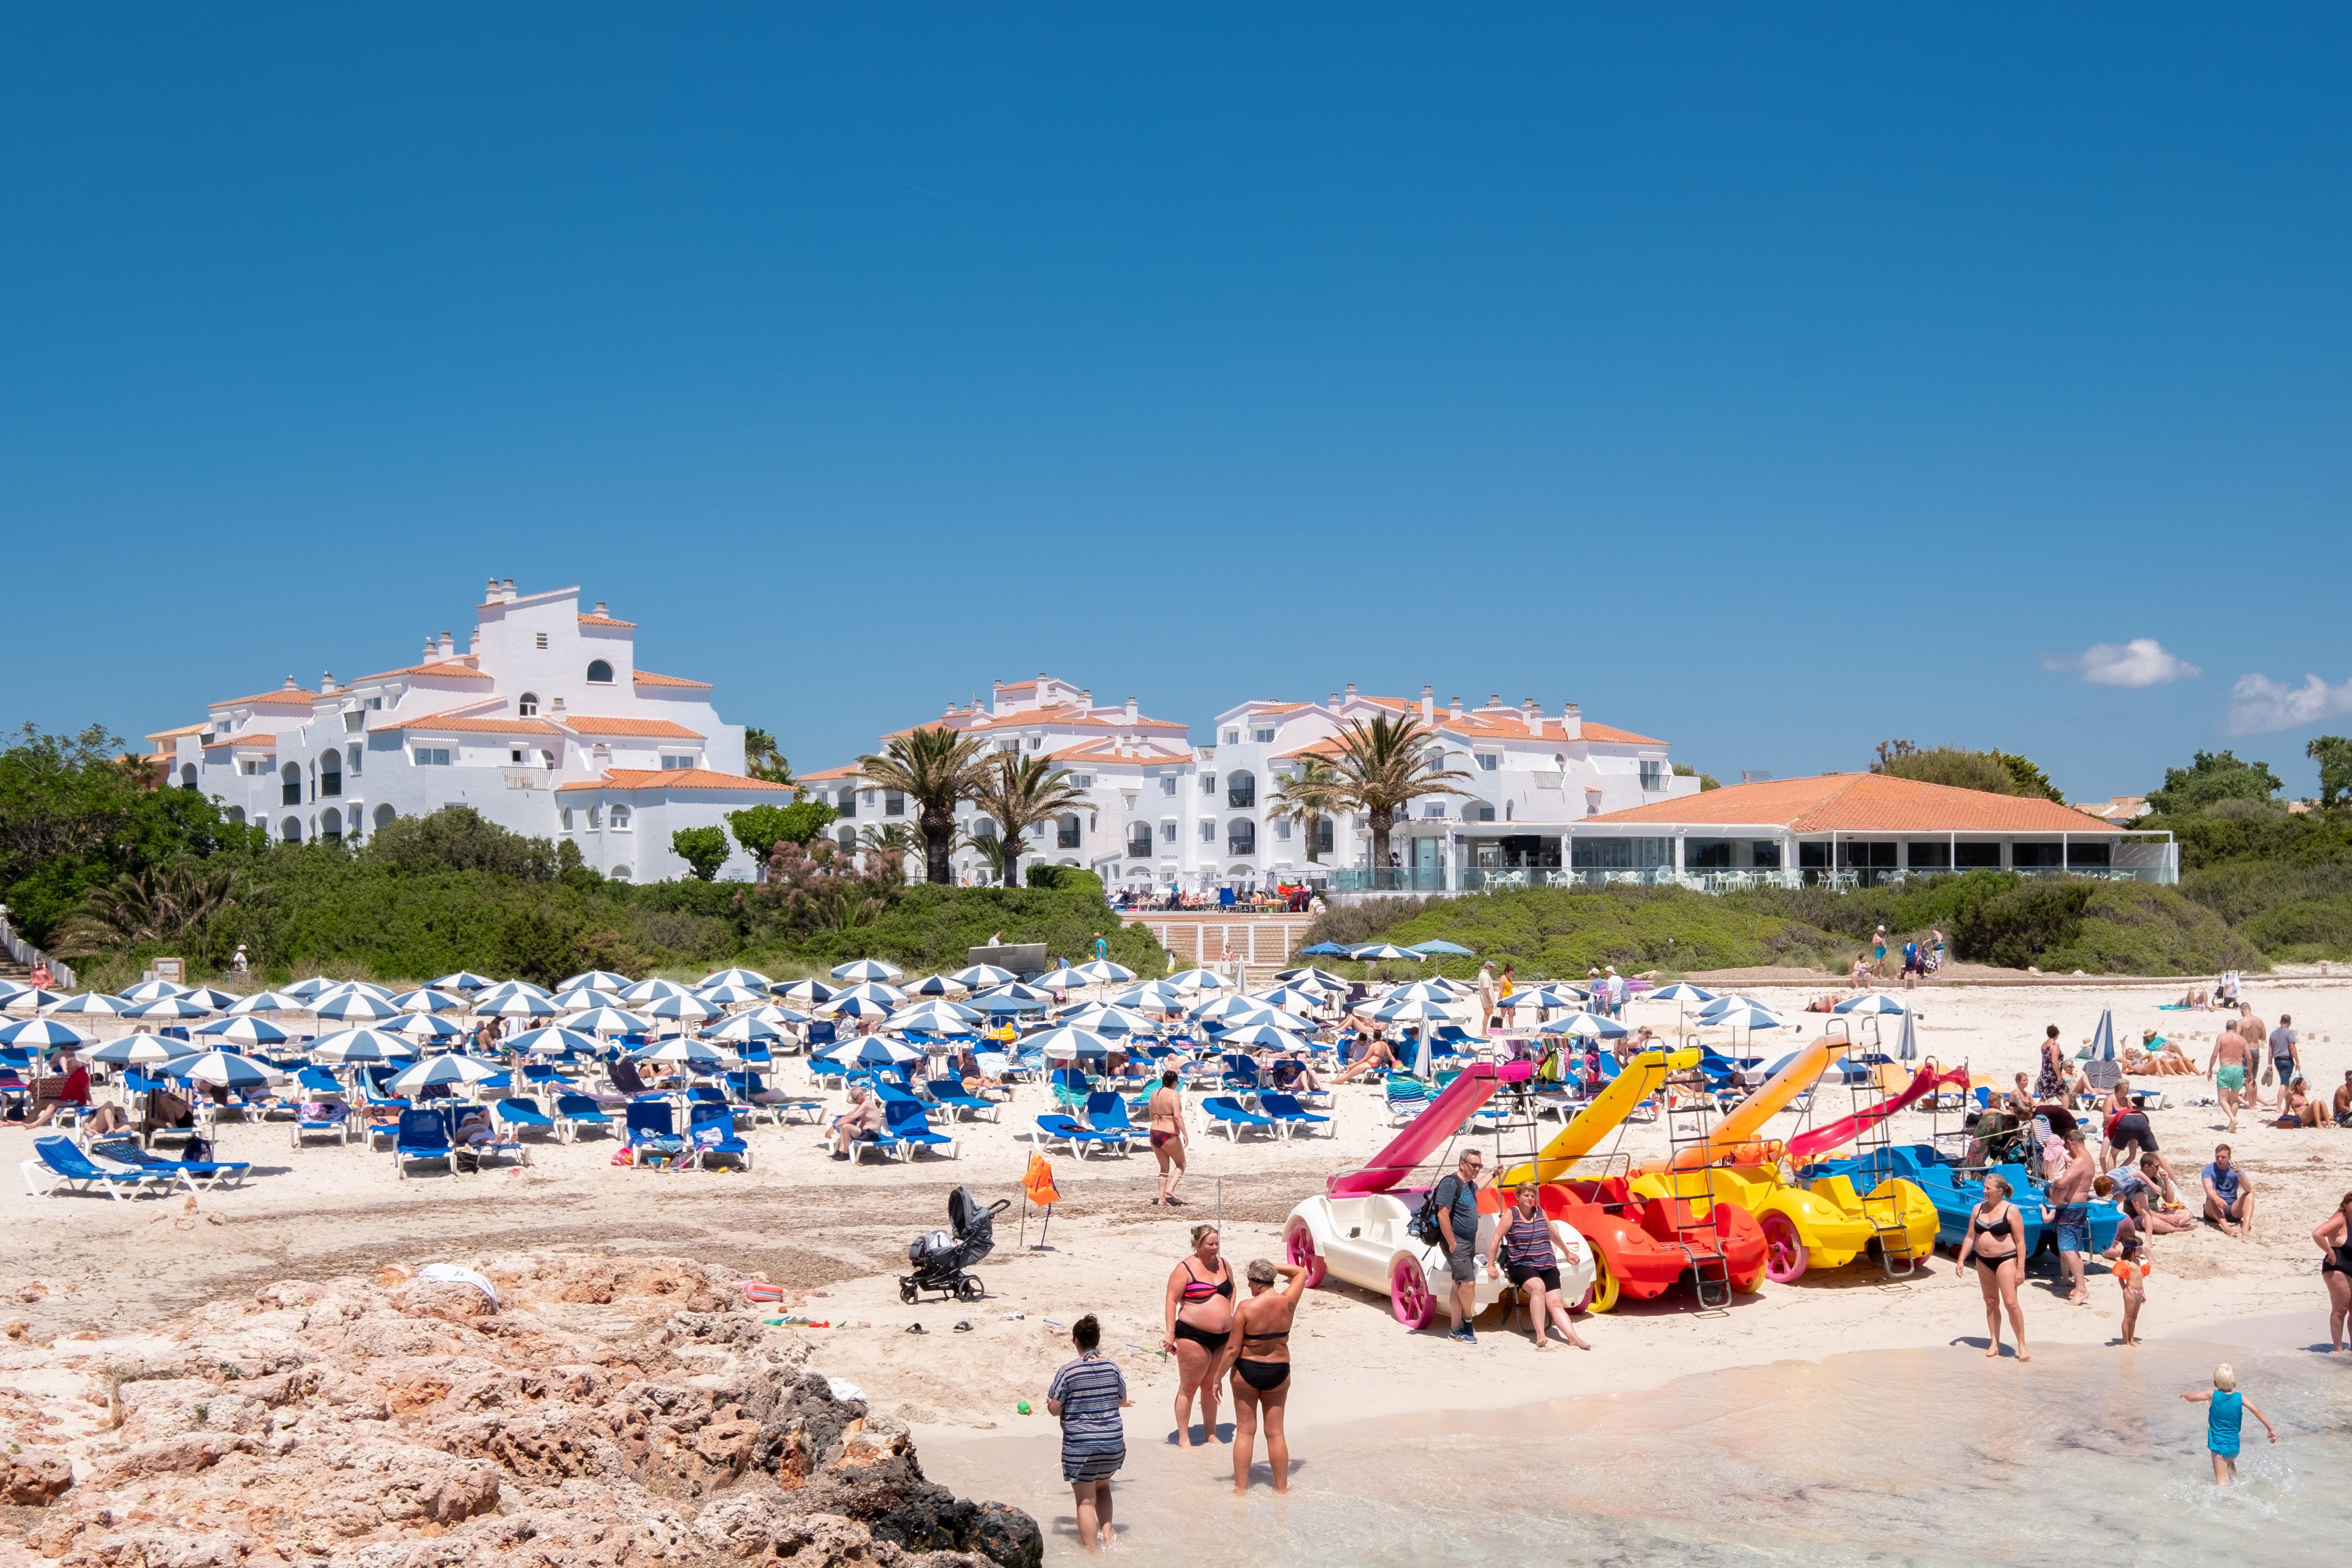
760, 828
704, 850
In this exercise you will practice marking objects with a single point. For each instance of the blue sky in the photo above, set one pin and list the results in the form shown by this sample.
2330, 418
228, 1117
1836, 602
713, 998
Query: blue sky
1774, 384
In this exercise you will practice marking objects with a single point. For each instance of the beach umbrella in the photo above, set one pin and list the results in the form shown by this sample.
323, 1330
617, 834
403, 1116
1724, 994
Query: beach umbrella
9, 988
1150, 994
244, 1031
1104, 1018
811, 992
266, 1002
854, 1007
1544, 997
552, 1041
934, 1018
1061, 979
751, 977
778, 1017
302, 991
720, 995
32, 997
1310, 975
512, 988
1253, 1035
1198, 980
1292, 998
354, 1007
453, 1067
140, 1051
2102, 1038
1418, 1010
865, 969
464, 980
1068, 1041
1422, 991
875, 991
1587, 1026
1217, 1009
1438, 949
998, 1002
687, 1009
607, 981
979, 976
361, 1046
1680, 991
153, 991
212, 997
653, 990
679, 1048
581, 998
1327, 950
607, 1020
1870, 1003
935, 986
222, 1069
425, 999
426, 1028
873, 1051
1374, 951
1103, 972
169, 1007
91, 1005
1420, 1050
1725, 1004
517, 1004
42, 1034
349, 987
741, 1029
1907, 1044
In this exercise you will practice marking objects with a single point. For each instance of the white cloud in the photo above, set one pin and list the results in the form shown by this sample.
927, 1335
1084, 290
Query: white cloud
2258, 703
2139, 662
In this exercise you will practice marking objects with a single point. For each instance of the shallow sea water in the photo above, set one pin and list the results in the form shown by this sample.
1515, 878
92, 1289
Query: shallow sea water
1928, 1456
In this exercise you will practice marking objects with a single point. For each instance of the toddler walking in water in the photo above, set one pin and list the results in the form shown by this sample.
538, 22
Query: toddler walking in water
2130, 1269
2223, 1421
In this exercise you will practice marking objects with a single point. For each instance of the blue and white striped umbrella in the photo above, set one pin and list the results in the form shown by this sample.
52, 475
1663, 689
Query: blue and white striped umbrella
580, 999
606, 1021
873, 1051
243, 1031
208, 996
1070, 1042
742, 1029
507, 988
1157, 994
691, 1009
463, 979
347, 987
1103, 972
91, 1004
518, 1004
1105, 1018
934, 1017
1907, 1044
1235, 1010
778, 1017
602, 980
935, 986
305, 990
1869, 1003
453, 1067
1440, 948
1374, 951
980, 976
222, 1069
1063, 979
854, 1007
1292, 998
1001, 1002
729, 994
1422, 991
749, 977
679, 1048
653, 990
1544, 997
266, 1002
1198, 980
1013, 990
361, 1046
1310, 975
31, 997
425, 999
2103, 1039
867, 969
153, 991
427, 1029
875, 991
553, 1041
1747, 1016
46, 1034
1249, 1037
1586, 1027
1680, 991
170, 1007
1725, 1004
140, 1051
808, 993
1420, 1010
354, 1007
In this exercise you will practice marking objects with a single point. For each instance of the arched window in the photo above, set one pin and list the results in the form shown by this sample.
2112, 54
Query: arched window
331, 774
188, 776
983, 827
236, 813
846, 839
619, 873
383, 815
330, 826
528, 703
1241, 789
291, 830
596, 818
1067, 831
600, 674
353, 822
1138, 840
1241, 837
564, 816
620, 820
289, 791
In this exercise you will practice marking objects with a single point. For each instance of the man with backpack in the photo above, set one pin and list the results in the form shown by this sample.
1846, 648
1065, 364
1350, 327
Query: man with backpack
1455, 1201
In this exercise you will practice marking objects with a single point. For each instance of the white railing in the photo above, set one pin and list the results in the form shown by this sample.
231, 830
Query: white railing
31, 957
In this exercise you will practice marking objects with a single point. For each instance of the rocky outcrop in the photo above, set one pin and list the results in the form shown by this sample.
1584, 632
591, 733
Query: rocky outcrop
602, 1413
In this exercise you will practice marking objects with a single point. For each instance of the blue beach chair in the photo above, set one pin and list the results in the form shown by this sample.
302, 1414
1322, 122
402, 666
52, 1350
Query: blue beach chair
575, 1111
197, 1174
1075, 1135
1285, 1108
67, 1167
1226, 1114
423, 1134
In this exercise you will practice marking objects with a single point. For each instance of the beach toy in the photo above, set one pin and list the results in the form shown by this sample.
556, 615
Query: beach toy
1022, 1407
761, 1291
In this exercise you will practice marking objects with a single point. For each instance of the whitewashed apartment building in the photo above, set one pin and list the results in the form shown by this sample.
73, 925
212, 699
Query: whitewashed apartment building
544, 723
1164, 812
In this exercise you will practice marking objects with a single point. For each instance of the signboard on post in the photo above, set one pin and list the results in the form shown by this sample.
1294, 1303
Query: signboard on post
175, 970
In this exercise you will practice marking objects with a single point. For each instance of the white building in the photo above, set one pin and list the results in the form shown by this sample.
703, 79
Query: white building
1164, 812
545, 724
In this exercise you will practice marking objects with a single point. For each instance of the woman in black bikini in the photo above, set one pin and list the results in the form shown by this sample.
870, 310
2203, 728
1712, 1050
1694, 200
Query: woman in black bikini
1259, 1360
1200, 1308
1996, 1243
2334, 1238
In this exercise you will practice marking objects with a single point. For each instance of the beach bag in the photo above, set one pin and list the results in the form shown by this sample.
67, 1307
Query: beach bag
624, 1156
1424, 1226
199, 1151
2269, 1077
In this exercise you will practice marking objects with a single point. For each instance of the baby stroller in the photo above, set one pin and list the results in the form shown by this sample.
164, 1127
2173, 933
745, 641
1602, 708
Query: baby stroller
941, 1257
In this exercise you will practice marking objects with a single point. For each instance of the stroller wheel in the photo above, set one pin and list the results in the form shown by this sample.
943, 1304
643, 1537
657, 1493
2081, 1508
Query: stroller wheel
969, 1289
906, 1290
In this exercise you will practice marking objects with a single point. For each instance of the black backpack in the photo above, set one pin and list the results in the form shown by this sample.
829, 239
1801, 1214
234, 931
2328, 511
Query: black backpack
1424, 1224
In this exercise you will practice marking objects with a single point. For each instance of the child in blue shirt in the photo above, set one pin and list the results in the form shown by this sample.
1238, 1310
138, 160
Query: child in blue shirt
2223, 1421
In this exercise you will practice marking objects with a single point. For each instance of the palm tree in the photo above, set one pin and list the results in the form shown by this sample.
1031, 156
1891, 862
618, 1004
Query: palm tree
989, 848
762, 760
162, 903
1021, 793
1307, 797
1385, 764
891, 840
936, 769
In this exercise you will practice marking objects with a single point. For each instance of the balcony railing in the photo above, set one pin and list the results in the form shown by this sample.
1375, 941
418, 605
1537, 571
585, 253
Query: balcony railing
1502, 879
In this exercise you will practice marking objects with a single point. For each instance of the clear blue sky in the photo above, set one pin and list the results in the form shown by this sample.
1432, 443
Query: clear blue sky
1771, 382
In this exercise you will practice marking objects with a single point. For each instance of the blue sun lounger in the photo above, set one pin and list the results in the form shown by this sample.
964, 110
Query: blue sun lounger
523, 1115
423, 1134
1293, 1116
906, 1129
574, 1111
1224, 1112
1077, 1137
197, 1173
1107, 1114
710, 1133
68, 1167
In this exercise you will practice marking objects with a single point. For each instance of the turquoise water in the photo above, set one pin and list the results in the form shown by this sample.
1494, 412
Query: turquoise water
1885, 1457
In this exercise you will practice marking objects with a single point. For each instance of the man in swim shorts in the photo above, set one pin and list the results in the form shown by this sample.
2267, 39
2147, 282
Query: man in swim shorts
2227, 1067
2069, 1193
2229, 1194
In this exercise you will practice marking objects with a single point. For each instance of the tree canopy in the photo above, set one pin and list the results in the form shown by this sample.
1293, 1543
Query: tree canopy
1994, 772
2211, 778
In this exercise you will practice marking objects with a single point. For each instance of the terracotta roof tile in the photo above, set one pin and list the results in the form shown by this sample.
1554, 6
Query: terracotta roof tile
654, 729
442, 668
1861, 803
608, 621
280, 698
245, 743
470, 724
671, 778
830, 775
175, 734
647, 677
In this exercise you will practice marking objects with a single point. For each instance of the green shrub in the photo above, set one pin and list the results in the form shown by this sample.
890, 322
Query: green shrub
704, 850
760, 828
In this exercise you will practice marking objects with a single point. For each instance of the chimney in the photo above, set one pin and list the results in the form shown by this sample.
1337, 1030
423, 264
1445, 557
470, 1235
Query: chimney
490, 593
448, 645
429, 647
1428, 704
1533, 715
1457, 708
1493, 699
1351, 689
1334, 700
509, 586
599, 606
290, 686
1131, 710
951, 708
327, 683
1571, 721
558, 706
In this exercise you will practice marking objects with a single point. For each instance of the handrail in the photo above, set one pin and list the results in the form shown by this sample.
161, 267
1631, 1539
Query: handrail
31, 957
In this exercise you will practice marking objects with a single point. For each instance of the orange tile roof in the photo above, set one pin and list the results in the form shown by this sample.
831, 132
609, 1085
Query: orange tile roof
1329, 746
253, 742
607, 621
472, 725
175, 734
443, 668
671, 778
1068, 716
647, 677
827, 775
1107, 751
281, 697
656, 729
1861, 803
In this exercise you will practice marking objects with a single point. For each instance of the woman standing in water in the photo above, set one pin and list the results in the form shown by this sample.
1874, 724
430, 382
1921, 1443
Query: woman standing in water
2334, 1235
1087, 1396
1996, 1244
1200, 1311
1259, 1360
2223, 1419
